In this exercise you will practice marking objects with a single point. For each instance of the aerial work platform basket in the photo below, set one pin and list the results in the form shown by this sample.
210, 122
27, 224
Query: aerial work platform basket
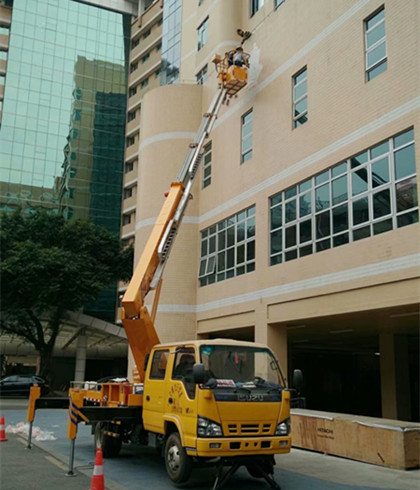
231, 76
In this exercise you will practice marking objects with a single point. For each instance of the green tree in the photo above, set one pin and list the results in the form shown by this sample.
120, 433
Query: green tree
50, 265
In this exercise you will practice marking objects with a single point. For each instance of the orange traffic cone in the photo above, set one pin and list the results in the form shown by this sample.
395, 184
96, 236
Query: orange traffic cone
98, 472
2, 430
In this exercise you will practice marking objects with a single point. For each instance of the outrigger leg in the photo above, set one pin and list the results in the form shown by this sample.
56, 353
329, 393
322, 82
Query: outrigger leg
257, 466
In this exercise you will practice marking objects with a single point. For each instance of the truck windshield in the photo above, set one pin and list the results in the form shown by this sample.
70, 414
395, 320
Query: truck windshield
233, 366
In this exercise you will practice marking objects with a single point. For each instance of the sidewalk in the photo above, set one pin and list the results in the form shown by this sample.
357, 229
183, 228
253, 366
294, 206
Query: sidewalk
34, 468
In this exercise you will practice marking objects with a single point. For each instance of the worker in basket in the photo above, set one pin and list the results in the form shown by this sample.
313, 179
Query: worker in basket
237, 57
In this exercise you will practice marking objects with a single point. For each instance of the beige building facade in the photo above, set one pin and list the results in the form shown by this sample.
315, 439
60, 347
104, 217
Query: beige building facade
302, 231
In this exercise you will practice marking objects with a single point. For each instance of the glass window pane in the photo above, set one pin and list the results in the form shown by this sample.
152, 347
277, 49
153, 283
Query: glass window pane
375, 34
381, 203
300, 77
405, 163
323, 245
360, 211
240, 254
376, 54
290, 236
380, 172
221, 261
379, 150
374, 72
276, 260
361, 233
221, 240
340, 218
292, 254
240, 231
305, 231
303, 251
408, 219
359, 159
375, 19
320, 178
322, 197
339, 189
406, 194
290, 192
323, 228
276, 242
250, 230
359, 180
291, 210
403, 138
230, 258
250, 250
305, 206
382, 226
301, 106
230, 236
300, 90
339, 169
276, 199
276, 217
340, 240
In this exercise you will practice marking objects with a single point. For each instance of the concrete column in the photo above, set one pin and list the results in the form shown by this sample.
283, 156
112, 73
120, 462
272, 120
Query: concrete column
402, 378
275, 336
388, 380
79, 374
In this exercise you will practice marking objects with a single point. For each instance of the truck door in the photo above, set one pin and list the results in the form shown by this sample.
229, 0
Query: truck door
181, 403
154, 396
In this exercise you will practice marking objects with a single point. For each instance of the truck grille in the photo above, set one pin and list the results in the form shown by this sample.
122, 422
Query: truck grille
249, 429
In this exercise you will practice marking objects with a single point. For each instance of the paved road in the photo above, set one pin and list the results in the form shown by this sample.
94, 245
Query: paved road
138, 467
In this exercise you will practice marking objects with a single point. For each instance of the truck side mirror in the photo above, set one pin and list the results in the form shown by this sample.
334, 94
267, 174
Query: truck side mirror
297, 380
199, 374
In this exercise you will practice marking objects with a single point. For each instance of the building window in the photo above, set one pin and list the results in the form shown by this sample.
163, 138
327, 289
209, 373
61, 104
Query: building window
159, 47
201, 76
203, 34
128, 192
277, 3
144, 83
135, 42
207, 165
370, 193
130, 141
132, 91
146, 34
129, 166
157, 73
131, 116
300, 98
246, 137
255, 5
145, 58
133, 67
228, 248
375, 42
126, 219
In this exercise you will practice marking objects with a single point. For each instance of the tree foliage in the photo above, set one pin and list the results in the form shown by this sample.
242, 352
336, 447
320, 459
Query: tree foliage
50, 265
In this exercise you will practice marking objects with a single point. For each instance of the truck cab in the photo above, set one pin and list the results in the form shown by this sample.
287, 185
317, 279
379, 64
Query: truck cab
216, 399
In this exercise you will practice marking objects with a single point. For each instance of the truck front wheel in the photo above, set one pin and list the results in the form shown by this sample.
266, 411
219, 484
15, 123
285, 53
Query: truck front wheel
178, 463
111, 446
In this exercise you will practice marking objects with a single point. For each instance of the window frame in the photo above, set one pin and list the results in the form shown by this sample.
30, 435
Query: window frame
227, 248
206, 172
366, 215
297, 100
203, 33
375, 45
248, 153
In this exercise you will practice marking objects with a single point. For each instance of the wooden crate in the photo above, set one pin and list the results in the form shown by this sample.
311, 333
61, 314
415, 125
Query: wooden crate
384, 442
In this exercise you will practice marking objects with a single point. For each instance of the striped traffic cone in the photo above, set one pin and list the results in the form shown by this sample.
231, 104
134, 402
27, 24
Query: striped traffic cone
98, 472
2, 430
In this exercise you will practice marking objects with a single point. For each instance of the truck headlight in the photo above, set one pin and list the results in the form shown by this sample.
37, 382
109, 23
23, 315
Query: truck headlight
283, 428
208, 428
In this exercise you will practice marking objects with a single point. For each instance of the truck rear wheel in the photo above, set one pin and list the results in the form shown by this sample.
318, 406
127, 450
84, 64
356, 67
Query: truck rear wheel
178, 463
111, 446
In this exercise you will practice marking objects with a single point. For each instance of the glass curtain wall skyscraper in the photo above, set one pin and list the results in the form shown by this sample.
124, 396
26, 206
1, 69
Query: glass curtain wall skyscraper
63, 115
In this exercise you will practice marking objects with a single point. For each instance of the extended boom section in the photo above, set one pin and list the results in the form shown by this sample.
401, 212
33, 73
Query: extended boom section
137, 321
